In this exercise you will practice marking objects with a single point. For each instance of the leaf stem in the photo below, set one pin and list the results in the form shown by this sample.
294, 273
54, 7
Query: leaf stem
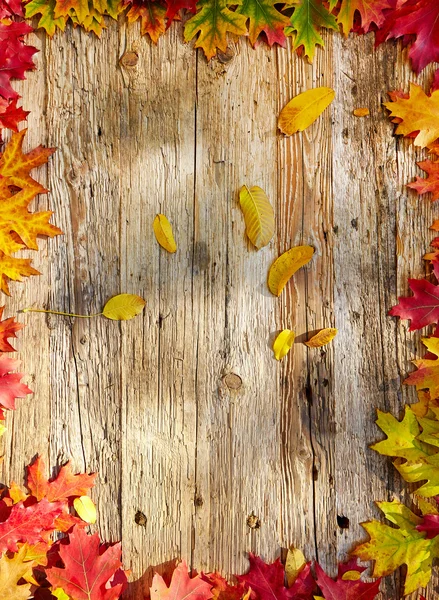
56, 312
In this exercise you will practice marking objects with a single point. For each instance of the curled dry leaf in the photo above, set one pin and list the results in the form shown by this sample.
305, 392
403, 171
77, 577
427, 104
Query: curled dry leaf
294, 564
85, 508
361, 112
286, 265
323, 337
163, 233
258, 215
304, 109
282, 344
123, 307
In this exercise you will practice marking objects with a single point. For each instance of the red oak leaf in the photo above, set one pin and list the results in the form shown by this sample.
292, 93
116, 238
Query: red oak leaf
267, 581
28, 524
418, 19
10, 384
430, 524
344, 587
63, 487
370, 11
15, 56
182, 586
422, 308
11, 114
431, 182
89, 568
8, 329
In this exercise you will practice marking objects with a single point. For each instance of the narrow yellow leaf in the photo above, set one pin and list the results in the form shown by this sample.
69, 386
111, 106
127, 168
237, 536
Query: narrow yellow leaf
286, 265
163, 233
351, 576
304, 109
258, 215
321, 338
283, 343
361, 112
123, 307
85, 508
294, 564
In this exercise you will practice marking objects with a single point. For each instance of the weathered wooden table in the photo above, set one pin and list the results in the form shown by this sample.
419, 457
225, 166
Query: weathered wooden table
184, 412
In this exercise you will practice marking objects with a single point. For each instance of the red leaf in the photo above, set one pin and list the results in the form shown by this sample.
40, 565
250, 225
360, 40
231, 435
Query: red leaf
341, 589
10, 8
422, 308
418, 18
89, 568
15, 56
8, 329
182, 586
63, 487
10, 383
174, 6
430, 183
430, 524
28, 524
221, 588
11, 115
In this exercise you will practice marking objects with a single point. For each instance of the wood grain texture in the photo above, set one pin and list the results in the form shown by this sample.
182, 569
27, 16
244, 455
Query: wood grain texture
183, 411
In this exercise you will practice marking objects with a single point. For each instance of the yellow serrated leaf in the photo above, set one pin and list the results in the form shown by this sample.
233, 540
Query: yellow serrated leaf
282, 344
294, 564
163, 233
323, 337
258, 215
85, 508
286, 265
304, 109
123, 307
351, 576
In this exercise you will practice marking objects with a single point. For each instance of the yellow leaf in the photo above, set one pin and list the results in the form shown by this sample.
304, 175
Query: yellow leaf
123, 307
2, 429
294, 564
258, 215
85, 508
286, 265
12, 570
351, 576
163, 233
361, 112
304, 109
60, 594
283, 343
323, 337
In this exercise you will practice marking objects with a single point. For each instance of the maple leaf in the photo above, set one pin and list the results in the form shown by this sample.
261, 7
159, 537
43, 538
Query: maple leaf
15, 56
89, 568
12, 570
392, 547
370, 11
422, 308
427, 375
211, 24
431, 182
174, 6
418, 19
402, 436
14, 269
11, 114
221, 588
346, 589
10, 383
28, 524
9, 8
182, 586
45, 8
308, 18
151, 14
263, 16
418, 114
8, 329
63, 487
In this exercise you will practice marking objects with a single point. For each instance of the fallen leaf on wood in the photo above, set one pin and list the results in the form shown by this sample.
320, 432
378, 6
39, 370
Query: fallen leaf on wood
163, 233
282, 343
258, 215
427, 375
182, 586
123, 307
10, 384
264, 16
12, 571
304, 109
361, 112
323, 337
85, 508
286, 265
348, 585
422, 308
8, 329
429, 184
294, 564
63, 487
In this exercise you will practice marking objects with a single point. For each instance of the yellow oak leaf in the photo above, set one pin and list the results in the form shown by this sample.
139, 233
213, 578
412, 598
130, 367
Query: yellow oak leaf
164, 234
401, 436
123, 307
323, 337
258, 215
286, 265
12, 570
282, 343
304, 109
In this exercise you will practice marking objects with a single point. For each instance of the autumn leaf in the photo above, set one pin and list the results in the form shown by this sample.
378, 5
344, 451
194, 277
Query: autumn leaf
12, 571
430, 184
64, 486
89, 568
28, 524
282, 343
361, 112
8, 329
14, 269
348, 585
11, 114
164, 234
427, 375
47, 21
286, 265
308, 18
9, 8
304, 109
258, 215
151, 14
10, 384
222, 589
264, 17
321, 338
401, 436
211, 24
174, 6
370, 11
123, 307
15, 56
182, 586
85, 508
422, 308
419, 113
392, 547
294, 564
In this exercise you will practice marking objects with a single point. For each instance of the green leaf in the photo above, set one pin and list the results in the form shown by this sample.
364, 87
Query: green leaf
45, 8
306, 21
264, 17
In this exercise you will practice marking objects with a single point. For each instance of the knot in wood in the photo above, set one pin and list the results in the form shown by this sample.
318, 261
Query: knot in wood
233, 381
129, 59
253, 521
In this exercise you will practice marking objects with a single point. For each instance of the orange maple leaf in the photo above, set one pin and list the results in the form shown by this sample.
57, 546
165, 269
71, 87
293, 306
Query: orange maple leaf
8, 329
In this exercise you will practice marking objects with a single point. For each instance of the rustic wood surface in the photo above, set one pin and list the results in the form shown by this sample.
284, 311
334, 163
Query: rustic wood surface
183, 411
